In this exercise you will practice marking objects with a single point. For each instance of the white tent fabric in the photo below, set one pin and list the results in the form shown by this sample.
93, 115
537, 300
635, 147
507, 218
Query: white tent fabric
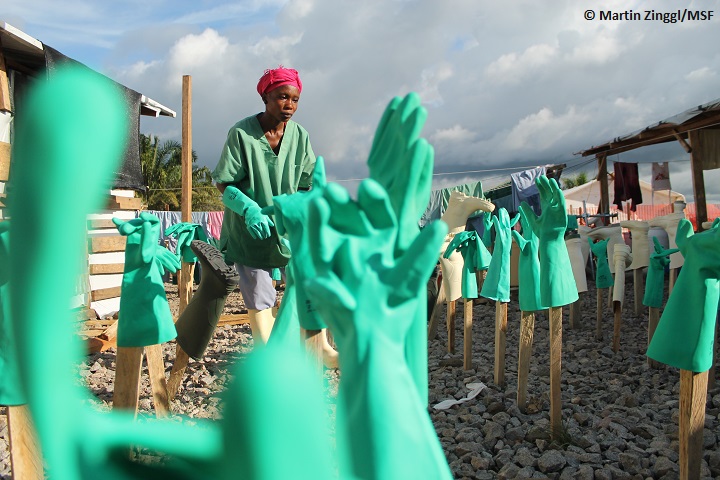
590, 193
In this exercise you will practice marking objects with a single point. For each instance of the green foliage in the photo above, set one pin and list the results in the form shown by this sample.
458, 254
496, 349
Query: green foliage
571, 182
162, 174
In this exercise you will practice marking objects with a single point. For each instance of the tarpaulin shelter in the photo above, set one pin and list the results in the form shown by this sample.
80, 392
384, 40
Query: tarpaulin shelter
698, 132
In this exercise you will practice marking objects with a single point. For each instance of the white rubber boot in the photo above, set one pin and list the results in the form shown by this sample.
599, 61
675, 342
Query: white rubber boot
261, 324
621, 258
670, 223
576, 262
640, 242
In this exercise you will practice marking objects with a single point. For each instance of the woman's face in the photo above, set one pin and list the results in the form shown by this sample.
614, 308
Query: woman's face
282, 102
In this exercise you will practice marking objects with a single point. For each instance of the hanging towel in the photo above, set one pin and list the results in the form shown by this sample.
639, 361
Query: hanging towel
627, 185
660, 176
524, 188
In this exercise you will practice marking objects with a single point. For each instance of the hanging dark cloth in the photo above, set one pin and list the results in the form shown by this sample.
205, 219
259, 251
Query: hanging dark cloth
627, 185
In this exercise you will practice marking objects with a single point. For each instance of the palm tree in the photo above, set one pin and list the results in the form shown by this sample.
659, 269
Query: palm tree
162, 173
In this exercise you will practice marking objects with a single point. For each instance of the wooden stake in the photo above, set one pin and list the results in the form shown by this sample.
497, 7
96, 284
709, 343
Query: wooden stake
156, 371
693, 395
435, 315
575, 315
638, 289
555, 370
617, 313
598, 320
25, 455
178, 371
450, 320
314, 346
671, 282
500, 342
653, 319
467, 333
527, 328
712, 371
127, 378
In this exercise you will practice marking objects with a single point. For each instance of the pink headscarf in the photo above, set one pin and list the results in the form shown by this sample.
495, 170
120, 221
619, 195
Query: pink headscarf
278, 77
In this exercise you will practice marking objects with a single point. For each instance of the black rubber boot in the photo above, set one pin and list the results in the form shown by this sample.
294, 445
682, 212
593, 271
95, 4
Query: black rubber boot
197, 322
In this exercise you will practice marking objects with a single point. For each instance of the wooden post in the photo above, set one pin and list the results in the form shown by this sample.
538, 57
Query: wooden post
653, 319
698, 178
4, 87
128, 364
500, 342
603, 178
435, 315
555, 370
638, 289
185, 281
450, 320
527, 327
314, 346
598, 319
671, 281
158, 384
617, 313
713, 369
25, 455
467, 333
693, 394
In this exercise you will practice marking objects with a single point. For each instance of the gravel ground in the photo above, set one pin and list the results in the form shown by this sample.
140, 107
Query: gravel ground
620, 416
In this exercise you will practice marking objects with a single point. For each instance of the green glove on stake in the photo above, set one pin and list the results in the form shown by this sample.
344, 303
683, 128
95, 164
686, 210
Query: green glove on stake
528, 267
402, 163
144, 317
557, 283
11, 392
258, 223
185, 233
475, 257
291, 214
497, 282
603, 276
369, 296
487, 224
655, 283
686, 332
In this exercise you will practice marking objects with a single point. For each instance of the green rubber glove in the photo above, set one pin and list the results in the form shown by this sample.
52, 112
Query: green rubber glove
603, 276
402, 162
185, 233
475, 257
258, 224
685, 334
528, 267
557, 283
291, 217
144, 317
487, 227
369, 298
572, 223
655, 283
11, 392
497, 282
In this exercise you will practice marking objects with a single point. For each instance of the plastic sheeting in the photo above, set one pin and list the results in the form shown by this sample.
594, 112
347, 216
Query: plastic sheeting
130, 174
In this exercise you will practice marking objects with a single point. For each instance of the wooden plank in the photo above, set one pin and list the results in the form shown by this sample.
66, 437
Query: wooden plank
5, 104
186, 159
574, 317
185, 284
500, 342
4, 161
467, 333
598, 318
106, 268
527, 328
555, 370
25, 453
105, 293
127, 378
435, 315
693, 395
236, 319
96, 224
178, 371
638, 289
156, 371
603, 178
653, 319
107, 244
617, 315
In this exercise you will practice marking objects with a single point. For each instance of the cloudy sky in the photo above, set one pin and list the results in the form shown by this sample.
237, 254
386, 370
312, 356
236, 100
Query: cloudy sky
507, 85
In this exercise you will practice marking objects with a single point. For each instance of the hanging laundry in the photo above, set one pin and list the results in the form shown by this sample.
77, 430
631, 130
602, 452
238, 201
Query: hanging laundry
660, 176
524, 188
627, 185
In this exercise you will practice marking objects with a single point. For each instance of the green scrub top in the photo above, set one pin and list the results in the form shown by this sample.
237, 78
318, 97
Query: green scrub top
248, 162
